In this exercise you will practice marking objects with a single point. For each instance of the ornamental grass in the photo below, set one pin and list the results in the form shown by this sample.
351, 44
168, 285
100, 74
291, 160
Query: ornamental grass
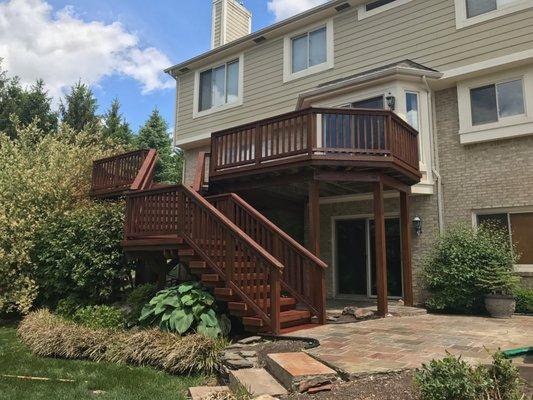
48, 335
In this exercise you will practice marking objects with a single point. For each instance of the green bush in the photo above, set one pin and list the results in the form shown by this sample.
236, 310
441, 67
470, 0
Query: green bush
524, 300
457, 269
136, 300
99, 317
67, 307
80, 253
42, 177
453, 379
183, 309
48, 335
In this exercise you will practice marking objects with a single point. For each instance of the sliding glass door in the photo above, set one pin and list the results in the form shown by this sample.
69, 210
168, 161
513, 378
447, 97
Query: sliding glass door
355, 263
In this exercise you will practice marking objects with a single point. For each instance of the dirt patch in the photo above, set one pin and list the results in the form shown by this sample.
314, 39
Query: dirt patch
398, 386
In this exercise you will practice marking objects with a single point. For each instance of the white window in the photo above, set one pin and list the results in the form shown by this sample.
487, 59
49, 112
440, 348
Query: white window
411, 109
218, 87
469, 12
377, 6
493, 102
496, 106
519, 227
308, 52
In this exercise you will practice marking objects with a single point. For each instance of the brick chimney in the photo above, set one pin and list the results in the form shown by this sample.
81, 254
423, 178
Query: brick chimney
231, 21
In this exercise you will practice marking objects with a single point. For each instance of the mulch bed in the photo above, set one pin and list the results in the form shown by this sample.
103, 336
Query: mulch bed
397, 386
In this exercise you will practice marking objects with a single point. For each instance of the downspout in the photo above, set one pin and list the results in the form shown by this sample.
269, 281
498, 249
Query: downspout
435, 167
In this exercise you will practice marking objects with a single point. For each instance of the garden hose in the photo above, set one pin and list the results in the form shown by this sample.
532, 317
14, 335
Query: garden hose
513, 353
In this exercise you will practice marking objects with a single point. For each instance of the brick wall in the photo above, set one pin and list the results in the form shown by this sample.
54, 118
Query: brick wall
496, 174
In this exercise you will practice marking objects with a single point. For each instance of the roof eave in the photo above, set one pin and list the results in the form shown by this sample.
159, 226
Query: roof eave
389, 72
265, 31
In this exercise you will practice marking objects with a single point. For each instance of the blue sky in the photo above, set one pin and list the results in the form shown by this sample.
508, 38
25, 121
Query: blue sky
119, 47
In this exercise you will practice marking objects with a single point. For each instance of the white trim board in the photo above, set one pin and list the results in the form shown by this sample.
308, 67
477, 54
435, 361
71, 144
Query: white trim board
462, 21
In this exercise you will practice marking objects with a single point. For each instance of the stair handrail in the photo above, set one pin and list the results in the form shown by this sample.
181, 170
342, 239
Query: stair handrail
317, 305
189, 225
201, 168
145, 176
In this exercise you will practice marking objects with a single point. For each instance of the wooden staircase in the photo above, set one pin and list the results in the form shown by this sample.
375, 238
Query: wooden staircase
269, 280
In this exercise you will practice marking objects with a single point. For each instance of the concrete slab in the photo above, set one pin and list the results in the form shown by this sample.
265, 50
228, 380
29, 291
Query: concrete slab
299, 371
202, 392
257, 381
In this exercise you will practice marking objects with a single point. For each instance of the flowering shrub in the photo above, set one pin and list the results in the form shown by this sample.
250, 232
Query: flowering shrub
42, 177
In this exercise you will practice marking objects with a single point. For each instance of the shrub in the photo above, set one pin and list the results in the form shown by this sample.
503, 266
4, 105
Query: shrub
41, 178
67, 307
48, 335
453, 379
185, 308
136, 300
456, 269
80, 253
97, 317
524, 300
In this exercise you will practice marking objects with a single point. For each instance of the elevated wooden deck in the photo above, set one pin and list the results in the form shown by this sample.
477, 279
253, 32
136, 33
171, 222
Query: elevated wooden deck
338, 139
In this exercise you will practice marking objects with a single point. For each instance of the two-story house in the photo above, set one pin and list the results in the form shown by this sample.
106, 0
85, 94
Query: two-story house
460, 72
347, 136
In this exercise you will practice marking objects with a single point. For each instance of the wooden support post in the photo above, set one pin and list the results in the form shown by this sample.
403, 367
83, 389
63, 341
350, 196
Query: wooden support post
406, 249
318, 281
275, 295
314, 217
381, 249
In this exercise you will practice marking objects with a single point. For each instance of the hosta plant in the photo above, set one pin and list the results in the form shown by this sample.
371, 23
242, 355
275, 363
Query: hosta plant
185, 308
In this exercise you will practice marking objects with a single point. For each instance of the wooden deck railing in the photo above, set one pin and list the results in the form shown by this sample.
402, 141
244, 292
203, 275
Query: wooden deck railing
304, 273
129, 171
248, 269
314, 132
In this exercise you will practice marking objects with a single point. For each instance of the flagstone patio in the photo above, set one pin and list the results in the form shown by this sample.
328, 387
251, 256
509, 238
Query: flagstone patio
397, 343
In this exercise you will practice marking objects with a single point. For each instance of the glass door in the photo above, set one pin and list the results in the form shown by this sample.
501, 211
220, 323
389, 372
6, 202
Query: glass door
352, 259
356, 267
394, 257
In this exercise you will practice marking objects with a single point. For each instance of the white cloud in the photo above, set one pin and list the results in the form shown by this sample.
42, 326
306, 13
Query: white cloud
61, 48
287, 8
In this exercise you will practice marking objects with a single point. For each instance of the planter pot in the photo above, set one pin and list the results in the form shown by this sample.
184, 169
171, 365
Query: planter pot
500, 306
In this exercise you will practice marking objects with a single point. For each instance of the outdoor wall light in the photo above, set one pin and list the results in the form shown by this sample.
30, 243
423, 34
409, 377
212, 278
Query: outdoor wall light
391, 101
417, 224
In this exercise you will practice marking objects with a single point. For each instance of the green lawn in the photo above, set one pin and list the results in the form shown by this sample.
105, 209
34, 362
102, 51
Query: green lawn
116, 381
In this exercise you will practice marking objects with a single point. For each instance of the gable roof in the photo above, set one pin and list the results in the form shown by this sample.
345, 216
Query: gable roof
406, 68
400, 65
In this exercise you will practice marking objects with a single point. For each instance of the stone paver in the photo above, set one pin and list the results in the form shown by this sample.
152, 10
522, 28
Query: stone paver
256, 381
299, 371
398, 343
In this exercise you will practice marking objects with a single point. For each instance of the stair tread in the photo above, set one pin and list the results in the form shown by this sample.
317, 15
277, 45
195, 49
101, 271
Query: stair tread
284, 317
240, 305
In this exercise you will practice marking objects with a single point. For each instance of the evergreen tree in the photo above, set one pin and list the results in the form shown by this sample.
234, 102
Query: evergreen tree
38, 104
115, 126
79, 112
24, 105
154, 135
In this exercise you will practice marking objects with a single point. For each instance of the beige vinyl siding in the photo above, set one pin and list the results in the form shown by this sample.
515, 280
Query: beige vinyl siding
422, 30
237, 23
217, 26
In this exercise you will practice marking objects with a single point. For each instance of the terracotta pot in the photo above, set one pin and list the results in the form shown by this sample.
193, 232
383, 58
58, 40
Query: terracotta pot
500, 306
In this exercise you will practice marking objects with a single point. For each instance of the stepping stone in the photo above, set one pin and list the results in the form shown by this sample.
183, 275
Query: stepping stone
202, 392
256, 381
299, 371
